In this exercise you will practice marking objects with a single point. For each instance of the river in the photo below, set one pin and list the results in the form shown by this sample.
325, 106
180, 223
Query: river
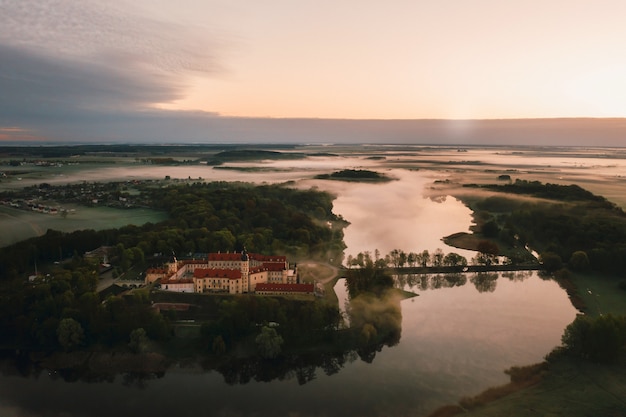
457, 336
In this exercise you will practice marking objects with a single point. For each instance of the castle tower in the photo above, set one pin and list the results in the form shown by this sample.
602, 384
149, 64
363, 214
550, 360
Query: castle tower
245, 271
172, 265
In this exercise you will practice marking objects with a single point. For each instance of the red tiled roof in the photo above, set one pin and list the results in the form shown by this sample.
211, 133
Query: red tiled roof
285, 287
229, 256
257, 269
156, 271
217, 273
193, 261
274, 266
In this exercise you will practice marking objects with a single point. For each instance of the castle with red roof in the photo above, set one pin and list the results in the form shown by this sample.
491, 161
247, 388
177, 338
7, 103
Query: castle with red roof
232, 273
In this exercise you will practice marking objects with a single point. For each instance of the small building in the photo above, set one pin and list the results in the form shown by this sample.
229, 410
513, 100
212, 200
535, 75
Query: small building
178, 285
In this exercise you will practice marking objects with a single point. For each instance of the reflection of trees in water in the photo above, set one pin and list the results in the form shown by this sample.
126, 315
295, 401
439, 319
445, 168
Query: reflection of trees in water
425, 282
376, 321
517, 276
303, 367
484, 281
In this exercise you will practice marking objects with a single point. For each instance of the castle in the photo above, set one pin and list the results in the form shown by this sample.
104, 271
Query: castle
230, 272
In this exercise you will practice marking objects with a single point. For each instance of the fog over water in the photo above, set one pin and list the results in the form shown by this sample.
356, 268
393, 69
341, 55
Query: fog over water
397, 215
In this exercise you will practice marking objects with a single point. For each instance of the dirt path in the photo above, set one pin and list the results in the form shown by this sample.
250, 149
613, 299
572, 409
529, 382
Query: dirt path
317, 271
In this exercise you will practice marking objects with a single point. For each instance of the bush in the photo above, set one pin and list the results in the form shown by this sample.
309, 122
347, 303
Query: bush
551, 261
602, 339
579, 261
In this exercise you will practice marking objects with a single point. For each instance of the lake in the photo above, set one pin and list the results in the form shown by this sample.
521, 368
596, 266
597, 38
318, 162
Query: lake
457, 336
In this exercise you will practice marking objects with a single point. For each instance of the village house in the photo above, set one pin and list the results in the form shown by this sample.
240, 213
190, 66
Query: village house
232, 273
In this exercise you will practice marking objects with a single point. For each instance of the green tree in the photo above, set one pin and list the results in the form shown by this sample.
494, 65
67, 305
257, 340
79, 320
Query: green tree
579, 261
219, 346
423, 258
437, 257
138, 340
454, 259
491, 229
487, 253
70, 333
551, 261
601, 339
269, 342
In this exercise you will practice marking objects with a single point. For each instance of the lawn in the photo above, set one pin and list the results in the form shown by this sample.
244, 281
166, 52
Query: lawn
601, 294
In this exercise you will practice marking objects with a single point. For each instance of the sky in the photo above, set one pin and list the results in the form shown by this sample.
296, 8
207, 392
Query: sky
312, 71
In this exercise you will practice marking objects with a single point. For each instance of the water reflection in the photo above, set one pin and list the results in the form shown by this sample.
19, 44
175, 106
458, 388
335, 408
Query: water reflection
402, 358
482, 281
376, 321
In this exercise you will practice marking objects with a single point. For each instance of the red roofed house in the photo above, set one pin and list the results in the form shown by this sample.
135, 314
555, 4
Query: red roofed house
234, 273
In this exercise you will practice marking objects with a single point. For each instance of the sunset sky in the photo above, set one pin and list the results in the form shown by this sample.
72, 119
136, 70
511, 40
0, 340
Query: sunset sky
135, 70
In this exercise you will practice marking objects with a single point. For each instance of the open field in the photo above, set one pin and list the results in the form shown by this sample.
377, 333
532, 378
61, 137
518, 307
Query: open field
568, 390
600, 294
18, 224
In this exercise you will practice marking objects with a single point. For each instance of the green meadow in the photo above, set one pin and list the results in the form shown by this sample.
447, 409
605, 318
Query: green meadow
17, 225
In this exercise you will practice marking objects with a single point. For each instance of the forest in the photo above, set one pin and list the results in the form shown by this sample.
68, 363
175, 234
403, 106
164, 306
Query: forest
203, 217
60, 308
354, 175
583, 230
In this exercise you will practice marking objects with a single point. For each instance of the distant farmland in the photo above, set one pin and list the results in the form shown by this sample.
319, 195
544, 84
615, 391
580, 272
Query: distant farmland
17, 225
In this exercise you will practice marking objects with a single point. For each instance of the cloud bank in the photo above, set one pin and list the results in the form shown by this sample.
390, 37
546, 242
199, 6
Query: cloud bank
91, 71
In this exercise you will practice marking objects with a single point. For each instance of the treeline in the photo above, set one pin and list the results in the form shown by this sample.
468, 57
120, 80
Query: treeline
354, 174
228, 216
251, 155
239, 320
397, 258
203, 218
601, 339
568, 220
62, 309
64, 151
549, 191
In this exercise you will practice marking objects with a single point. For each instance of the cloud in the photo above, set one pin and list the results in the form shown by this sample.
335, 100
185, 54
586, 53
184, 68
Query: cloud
106, 31
89, 70
63, 56
39, 86
76, 69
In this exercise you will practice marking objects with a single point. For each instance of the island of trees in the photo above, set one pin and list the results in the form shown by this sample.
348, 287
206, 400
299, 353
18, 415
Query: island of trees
355, 175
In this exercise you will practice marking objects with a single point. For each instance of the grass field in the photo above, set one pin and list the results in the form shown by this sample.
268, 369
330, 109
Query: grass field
568, 390
600, 294
18, 225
